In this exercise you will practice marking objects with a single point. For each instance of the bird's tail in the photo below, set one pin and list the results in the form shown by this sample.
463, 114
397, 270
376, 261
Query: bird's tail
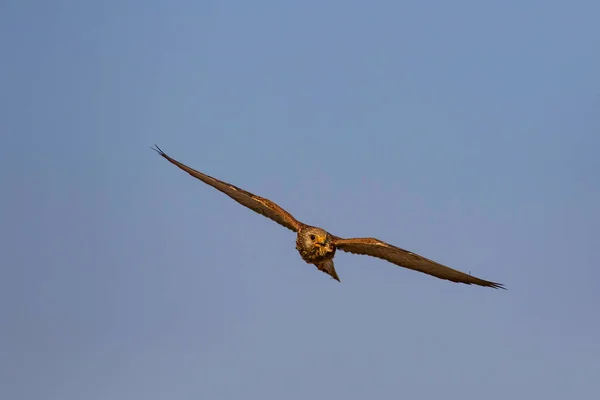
328, 268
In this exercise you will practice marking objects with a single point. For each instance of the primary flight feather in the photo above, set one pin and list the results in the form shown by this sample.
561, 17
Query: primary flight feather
317, 246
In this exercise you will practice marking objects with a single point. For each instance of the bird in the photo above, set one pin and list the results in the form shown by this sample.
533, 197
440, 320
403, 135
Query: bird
318, 247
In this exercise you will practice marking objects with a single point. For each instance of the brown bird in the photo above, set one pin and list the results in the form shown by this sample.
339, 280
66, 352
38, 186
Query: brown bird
317, 246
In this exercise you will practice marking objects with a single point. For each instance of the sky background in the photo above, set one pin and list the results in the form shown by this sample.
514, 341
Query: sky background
466, 131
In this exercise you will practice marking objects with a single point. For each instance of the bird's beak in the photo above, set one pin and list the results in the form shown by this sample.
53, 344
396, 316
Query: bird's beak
320, 242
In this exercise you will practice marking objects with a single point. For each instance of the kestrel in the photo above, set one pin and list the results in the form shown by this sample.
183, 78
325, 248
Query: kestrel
317, 246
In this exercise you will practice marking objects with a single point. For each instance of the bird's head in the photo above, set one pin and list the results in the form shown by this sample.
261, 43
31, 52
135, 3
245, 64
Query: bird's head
315, 240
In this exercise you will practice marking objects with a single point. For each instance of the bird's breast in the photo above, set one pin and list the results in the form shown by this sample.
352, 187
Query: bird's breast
316, 254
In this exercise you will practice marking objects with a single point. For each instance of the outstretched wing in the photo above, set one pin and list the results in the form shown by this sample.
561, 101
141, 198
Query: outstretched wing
377, 248
256, 203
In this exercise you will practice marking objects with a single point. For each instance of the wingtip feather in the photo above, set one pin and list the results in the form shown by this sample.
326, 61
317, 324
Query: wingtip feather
158, 150
495, 285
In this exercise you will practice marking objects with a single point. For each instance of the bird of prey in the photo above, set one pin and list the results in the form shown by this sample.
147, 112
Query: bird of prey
317, 246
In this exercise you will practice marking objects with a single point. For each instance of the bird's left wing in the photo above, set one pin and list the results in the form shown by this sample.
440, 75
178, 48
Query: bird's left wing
256, 203
376, 248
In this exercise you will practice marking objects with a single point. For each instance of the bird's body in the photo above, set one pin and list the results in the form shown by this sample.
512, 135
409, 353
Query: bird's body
318, 247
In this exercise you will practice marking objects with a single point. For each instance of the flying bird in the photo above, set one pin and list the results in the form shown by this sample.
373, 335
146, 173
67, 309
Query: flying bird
317, 246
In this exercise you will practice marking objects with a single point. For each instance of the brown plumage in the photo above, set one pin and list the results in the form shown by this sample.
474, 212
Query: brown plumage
317, 246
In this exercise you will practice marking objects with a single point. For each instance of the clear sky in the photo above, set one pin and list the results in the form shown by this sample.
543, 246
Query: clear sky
466, 131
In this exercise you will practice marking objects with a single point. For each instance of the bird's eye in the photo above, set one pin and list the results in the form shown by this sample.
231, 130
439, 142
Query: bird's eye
312, 237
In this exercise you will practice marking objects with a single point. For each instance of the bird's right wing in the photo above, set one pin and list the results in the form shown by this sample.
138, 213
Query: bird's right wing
404, 258
256, 203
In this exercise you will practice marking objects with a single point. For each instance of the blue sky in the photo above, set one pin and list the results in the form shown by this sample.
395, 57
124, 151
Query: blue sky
466, 131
